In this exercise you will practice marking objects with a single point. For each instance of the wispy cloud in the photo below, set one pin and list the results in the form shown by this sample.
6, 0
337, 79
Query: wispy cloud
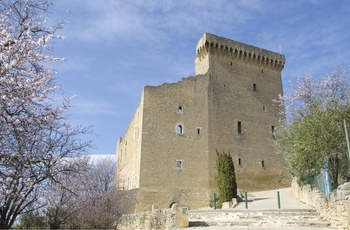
91, 107
154, 21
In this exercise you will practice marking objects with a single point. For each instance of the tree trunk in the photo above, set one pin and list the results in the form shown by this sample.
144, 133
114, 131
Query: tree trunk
333, 171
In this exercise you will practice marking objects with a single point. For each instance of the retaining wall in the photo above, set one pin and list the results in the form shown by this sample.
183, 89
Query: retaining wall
335, 208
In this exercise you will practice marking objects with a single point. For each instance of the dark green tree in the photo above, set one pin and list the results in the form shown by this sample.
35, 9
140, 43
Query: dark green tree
225, 177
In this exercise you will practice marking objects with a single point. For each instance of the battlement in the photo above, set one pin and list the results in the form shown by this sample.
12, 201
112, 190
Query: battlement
210, 43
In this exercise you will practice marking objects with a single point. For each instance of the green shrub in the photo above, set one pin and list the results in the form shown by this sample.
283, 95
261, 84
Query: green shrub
225, 177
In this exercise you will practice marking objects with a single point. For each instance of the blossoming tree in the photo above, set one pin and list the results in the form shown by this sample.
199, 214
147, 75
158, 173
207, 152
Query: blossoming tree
314, 138
35, 135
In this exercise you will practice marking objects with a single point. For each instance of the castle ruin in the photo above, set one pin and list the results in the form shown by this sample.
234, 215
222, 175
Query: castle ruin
168, 152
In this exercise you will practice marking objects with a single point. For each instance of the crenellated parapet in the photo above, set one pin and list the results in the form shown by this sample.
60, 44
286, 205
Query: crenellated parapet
238, 51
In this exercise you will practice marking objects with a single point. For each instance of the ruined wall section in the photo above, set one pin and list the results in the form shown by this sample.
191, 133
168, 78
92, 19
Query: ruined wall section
175, 144
129, 152
244, 81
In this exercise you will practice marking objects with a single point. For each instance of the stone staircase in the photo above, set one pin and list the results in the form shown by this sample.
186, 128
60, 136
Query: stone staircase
257, 219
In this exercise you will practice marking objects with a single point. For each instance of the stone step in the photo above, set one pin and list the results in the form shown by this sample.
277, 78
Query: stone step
252, 228
267, 223
261, 214
258, 218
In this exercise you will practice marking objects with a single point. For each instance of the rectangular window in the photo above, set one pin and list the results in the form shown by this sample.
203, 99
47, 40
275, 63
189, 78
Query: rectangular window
239, 127
198, 131
273, 132
178, 164
123, 183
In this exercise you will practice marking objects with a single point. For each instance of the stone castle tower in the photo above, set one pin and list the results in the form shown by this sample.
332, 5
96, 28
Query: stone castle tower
168, 152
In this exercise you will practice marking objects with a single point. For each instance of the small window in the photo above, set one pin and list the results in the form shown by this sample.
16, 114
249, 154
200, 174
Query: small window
198, 131
264, 108
239, 127
179, 129
262, 71
178, 164
120, 158
179, 110
273, 131
239, 161
254, 87
135, 130
231, 63
263, 164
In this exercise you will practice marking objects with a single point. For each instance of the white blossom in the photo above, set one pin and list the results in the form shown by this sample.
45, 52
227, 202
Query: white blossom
30, 127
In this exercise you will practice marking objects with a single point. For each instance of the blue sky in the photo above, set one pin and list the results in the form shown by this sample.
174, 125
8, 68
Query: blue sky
113, 48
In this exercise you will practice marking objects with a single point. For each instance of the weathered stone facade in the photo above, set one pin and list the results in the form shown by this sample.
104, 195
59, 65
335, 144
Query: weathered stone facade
169, 150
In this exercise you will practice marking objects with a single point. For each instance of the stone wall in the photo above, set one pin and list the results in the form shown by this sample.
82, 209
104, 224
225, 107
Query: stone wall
335, 208
177, 216
129, 153
243, 116
174, 160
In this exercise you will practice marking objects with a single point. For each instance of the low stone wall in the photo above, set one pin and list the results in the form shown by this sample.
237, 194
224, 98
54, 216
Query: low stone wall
177, 216
335, 208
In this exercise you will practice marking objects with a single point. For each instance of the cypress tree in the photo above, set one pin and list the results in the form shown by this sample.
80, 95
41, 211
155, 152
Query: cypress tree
225, 177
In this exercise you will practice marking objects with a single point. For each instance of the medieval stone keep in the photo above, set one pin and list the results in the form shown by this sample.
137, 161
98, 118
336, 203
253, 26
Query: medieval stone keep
168, 152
